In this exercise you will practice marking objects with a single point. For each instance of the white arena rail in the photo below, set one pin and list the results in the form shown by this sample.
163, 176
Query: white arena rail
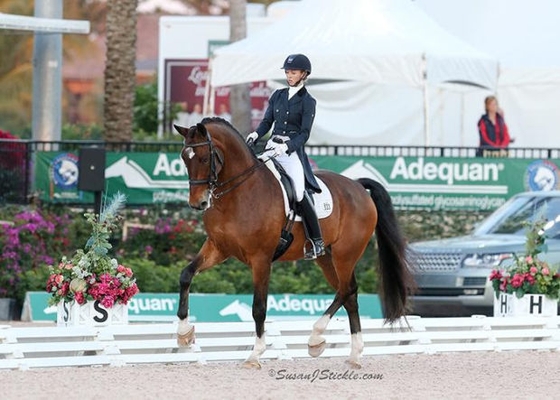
117, 345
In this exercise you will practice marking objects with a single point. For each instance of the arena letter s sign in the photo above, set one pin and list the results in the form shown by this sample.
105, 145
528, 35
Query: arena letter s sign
65, 312
104, 315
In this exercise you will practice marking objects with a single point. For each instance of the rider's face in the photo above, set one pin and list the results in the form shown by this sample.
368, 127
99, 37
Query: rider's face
294, 76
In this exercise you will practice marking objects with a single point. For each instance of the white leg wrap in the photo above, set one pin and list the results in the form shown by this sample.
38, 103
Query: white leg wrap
258, 349
183, 327
318, 329
357, 347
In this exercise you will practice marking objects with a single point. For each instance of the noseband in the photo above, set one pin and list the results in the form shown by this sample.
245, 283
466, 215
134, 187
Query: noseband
212, 180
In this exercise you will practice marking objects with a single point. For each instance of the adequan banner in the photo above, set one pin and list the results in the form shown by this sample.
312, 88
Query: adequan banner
438, 183
434, 183
153, 307
145, 178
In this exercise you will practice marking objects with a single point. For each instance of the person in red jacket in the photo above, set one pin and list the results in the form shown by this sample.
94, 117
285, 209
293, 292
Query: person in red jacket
493, 131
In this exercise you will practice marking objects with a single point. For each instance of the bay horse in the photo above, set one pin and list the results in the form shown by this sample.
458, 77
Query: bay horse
243, 217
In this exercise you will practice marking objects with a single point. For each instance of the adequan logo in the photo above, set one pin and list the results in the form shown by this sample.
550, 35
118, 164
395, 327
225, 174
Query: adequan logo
541, 176
64, 171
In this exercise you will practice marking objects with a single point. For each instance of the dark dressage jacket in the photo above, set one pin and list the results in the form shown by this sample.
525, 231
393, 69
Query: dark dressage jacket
292, 118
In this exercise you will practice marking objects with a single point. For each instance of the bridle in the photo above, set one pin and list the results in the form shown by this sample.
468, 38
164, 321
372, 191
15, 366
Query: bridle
212, 180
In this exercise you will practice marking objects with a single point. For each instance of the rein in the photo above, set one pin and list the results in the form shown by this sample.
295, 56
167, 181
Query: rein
245, 174
212, 180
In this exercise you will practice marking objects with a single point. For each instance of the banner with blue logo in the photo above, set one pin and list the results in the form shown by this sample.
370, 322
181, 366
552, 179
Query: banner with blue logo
437, 183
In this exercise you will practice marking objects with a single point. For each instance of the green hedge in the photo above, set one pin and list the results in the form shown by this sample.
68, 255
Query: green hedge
158, 255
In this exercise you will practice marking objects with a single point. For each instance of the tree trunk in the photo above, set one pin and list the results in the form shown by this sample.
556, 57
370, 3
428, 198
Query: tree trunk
239, 97
120, 70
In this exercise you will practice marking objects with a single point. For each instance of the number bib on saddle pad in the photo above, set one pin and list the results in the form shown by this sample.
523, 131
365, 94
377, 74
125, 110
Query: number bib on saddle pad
323, 201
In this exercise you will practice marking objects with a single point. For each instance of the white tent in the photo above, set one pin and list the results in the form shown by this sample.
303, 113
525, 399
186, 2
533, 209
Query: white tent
379, 57
524, 37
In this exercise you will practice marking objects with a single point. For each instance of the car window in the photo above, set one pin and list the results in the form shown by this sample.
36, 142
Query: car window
512, 218
502, 215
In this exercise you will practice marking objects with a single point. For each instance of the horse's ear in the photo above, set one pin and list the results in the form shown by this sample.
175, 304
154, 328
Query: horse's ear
201, 128
181, 129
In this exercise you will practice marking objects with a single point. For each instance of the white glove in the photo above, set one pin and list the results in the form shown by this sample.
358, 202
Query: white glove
251, 137
280, 149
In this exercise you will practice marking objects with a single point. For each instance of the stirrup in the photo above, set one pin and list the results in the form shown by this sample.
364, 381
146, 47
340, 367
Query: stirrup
316, 249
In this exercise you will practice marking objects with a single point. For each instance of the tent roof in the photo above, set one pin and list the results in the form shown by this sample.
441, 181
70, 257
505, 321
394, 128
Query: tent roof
376, 41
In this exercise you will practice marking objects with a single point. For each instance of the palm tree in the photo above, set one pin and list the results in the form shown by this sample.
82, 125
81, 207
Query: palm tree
120, 70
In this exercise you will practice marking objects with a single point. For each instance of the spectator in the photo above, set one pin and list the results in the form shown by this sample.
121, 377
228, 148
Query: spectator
195, 116
224, 113
493, 131
182, 118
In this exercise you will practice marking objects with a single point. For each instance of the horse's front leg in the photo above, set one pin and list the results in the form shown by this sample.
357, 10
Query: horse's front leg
261, 277
185, 331
207, 257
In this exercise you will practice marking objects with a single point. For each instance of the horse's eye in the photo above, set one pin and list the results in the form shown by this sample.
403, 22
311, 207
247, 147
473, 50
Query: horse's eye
189, 152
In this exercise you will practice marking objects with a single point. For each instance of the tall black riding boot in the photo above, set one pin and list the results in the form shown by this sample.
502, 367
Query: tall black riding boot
312, 229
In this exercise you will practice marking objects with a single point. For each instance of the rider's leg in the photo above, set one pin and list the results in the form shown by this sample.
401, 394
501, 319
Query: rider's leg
312, 228
292, 165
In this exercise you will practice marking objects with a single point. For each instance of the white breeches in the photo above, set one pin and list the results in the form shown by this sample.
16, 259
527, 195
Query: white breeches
292, 165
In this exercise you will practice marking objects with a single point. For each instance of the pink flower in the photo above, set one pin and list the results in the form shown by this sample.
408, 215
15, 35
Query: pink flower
108, 301
495, 274
503, 284
533, 270
545, 271
529, 260
530, 278
79, 296
517, 280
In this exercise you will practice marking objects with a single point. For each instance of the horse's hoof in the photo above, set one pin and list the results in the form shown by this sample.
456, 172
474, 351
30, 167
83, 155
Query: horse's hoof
354, 364
316, 350
186, 339
251, 364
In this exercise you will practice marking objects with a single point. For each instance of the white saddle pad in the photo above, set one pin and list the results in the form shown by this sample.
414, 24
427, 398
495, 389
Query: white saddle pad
323, 200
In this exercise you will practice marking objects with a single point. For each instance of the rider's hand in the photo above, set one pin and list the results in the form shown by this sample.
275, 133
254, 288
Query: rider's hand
280, 149
251, 137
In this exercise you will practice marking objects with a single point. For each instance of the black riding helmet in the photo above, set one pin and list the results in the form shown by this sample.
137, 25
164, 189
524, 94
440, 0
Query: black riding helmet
298, 61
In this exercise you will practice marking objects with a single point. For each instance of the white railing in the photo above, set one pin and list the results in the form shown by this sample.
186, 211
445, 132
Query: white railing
37, 347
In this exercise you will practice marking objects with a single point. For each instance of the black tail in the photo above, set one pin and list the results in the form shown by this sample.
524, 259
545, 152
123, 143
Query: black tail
396, 279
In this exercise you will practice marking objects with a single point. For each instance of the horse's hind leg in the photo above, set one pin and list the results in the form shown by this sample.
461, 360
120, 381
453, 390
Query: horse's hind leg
207, 257
351, 306
347, 295
317, 343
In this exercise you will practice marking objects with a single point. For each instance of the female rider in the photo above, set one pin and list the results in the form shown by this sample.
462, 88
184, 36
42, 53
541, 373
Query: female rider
292, 111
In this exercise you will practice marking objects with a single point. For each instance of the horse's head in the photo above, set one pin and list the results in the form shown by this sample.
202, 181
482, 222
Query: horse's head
204, 162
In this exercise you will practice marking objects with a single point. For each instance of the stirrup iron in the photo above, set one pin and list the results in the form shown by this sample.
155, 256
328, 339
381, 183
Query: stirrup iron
312, 249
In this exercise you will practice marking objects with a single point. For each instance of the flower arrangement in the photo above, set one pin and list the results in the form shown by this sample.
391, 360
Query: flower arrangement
91, 275
529, 274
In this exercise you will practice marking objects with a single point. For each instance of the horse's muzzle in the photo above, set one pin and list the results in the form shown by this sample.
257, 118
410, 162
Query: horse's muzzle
200, 202
200, 206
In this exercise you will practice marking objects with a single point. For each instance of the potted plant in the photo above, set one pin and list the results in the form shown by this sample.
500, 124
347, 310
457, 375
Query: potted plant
92, 288
530, 286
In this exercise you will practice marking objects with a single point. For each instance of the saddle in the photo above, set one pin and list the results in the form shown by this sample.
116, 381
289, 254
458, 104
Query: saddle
286, 236
323, 199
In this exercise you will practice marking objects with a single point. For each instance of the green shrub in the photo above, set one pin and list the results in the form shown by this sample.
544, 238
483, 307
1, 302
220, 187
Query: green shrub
153, 278
157, 256
169, 241
34, 280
